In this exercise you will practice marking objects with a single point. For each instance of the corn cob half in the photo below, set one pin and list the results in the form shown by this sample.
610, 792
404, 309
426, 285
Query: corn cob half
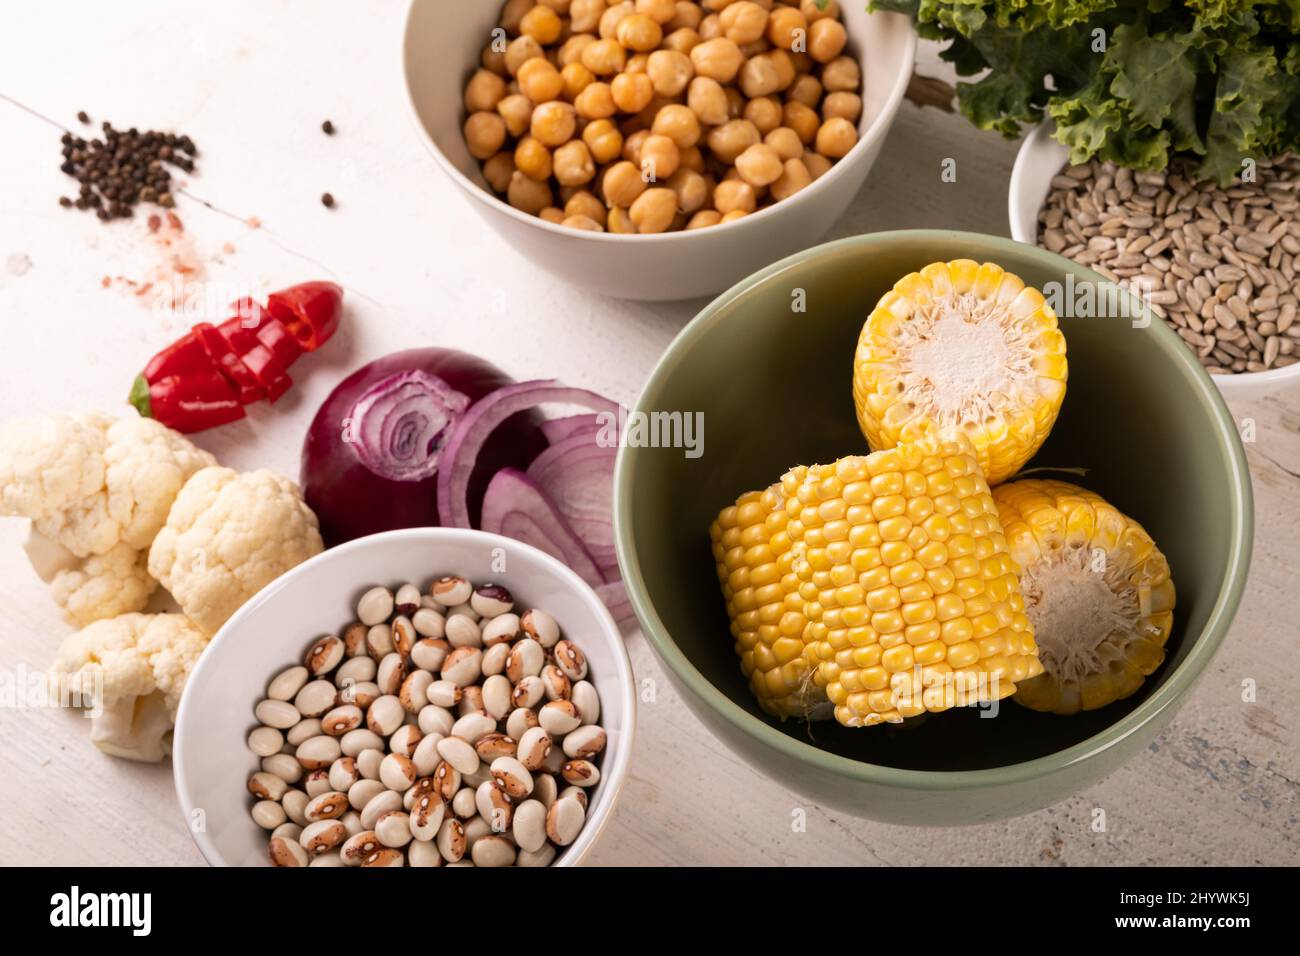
912, 601
962, 348
1097, 590
752, 549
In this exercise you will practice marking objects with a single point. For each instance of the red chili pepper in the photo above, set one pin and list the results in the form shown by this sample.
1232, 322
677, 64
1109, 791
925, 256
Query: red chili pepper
204, 378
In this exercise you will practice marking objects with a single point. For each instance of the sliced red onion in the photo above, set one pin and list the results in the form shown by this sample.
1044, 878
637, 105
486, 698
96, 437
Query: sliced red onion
516, 506
558, 429
469, 434
578, 475
399, 424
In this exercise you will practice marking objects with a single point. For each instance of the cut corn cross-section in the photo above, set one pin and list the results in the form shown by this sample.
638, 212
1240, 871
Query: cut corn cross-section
962, 348
912, 601
1097, 590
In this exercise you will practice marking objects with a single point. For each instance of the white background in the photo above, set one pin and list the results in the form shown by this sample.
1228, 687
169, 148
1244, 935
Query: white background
251, 81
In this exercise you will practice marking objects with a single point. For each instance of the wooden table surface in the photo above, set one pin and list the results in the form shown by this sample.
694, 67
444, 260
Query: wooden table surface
251, 81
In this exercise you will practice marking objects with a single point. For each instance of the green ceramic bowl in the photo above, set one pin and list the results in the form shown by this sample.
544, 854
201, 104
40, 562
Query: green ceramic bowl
773, 385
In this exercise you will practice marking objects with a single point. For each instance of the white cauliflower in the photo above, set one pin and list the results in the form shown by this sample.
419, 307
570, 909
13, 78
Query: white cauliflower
89, 482
136, 666
104, 585
227, 536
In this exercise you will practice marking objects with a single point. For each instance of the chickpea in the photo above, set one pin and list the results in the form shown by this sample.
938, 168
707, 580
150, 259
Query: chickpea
612, 17
803, 63
552, 214
637, 63
688, 16
704, 218
542, 24
494, 61
836, 137
682, 41
575, 78
484, 91
512, 14
654, 210
826, 40
519, 51
517, 111
596, 101
842, 75
660, 11
539, 80
554, 123
660, 158
632, 92
719, 59
794, 177
806, 89
498, 170
584, 15
527, 194
638, 32
693, 159
571, 51
758, 77
786, 71
759, 165
743, 22
736, 102
485, 134
604, 57
533, 159
846, 105
816, 164
583, 222
786, 142
786, 27
622, 184
733, 216
732, 138
803, 120
679, 124
620, 222
733, 194
710, 27
585, 203
707, 100
604, 140
813, 10
692, 190
632, 146
669, 71
765, 113
572, 164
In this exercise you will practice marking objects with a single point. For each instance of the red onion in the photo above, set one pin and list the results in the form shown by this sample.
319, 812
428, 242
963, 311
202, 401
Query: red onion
577, 473
518, 508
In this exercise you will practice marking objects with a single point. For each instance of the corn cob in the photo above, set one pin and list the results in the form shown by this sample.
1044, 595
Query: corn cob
912, 601
752, 551
964, 348
1097, 590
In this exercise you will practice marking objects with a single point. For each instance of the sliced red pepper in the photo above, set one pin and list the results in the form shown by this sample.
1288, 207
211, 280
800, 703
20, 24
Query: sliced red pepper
310, 311
223, 356
189, 402
259, 360
182, 357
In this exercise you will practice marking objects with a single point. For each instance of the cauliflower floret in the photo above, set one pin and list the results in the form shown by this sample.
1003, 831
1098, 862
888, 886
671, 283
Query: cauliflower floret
227, 536
90, 482
104, 585
135, 666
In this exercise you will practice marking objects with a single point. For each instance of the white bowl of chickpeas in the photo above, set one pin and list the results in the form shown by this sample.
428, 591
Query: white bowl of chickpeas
656, 149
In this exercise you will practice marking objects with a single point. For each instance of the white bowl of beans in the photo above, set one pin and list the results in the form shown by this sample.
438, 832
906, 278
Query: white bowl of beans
656, 149
237, 789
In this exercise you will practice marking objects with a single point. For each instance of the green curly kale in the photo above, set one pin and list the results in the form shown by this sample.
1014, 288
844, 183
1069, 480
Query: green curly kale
1134, 83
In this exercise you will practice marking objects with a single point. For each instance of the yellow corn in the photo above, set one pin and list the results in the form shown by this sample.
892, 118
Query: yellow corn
1097, 590
752, 551
912, 601
962, 348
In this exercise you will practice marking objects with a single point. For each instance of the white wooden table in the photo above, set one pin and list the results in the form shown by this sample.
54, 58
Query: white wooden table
251, 81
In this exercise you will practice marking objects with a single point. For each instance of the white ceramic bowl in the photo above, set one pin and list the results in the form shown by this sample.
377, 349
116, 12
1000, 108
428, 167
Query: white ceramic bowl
271, 632
441, 47
1040, 158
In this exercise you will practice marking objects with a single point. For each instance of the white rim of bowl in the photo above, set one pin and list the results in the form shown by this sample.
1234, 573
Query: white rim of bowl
1016, 200
614, 777
890, 109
